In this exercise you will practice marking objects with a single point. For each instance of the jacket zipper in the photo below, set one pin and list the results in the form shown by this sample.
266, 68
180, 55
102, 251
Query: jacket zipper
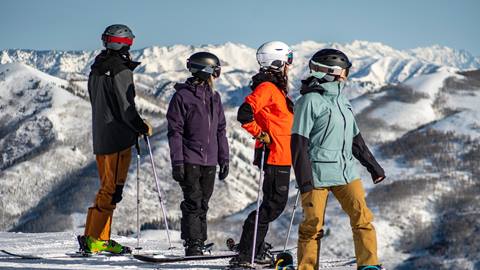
344, 132
326, 129
208, 116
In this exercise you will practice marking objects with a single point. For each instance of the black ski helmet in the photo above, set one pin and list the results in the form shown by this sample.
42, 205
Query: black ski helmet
330, 62
117, 36
203, 65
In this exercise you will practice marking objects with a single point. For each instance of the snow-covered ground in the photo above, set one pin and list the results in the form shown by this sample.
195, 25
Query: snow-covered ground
53, 249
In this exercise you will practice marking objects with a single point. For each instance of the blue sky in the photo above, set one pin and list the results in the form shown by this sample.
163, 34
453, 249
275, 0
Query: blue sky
77, 25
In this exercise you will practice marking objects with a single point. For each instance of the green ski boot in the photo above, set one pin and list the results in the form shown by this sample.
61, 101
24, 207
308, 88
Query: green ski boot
90, 245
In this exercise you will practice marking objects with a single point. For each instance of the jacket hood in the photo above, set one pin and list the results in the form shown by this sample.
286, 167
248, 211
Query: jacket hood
323, 87
108, 58
194, 85
266, 76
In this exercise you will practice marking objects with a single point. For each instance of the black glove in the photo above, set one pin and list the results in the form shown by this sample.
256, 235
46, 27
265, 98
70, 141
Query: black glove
178, 173
223, 173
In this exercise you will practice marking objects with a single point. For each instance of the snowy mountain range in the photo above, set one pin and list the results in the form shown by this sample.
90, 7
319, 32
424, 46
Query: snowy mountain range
48, 175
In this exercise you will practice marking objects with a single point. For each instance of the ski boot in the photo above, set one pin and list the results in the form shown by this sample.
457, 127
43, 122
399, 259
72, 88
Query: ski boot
264, 256
193, 247
240, 261
371, 267
90, 245
284, 260
207, 248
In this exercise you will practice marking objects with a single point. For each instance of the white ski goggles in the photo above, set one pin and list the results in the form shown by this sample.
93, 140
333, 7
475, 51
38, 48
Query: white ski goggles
331, 70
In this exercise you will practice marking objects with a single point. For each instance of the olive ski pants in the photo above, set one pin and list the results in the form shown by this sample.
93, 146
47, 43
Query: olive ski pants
352, 199
112, 169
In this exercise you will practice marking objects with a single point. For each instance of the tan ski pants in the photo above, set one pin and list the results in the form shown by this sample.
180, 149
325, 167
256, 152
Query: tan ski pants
352, 200
112, 169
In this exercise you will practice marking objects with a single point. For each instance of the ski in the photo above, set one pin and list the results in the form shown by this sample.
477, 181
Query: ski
21, 256
256, 267
172, 259
79, 254
323, 265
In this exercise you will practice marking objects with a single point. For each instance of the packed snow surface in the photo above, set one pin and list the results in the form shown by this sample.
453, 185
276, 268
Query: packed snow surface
53, 249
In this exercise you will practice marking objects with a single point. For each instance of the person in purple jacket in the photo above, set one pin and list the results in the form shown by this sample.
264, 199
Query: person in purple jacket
198, 142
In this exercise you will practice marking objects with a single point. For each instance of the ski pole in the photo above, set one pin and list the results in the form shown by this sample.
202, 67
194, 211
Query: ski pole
260, 185
291, 220
137, 146
159, 191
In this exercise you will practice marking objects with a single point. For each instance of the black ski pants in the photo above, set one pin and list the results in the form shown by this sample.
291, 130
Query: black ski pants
275, 197
197, 187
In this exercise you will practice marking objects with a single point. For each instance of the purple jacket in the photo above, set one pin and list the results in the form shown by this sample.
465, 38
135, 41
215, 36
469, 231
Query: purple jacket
196, 126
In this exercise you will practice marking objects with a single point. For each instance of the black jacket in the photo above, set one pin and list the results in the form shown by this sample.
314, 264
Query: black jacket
116, 123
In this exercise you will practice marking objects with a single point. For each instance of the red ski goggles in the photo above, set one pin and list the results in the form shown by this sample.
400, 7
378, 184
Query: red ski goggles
123, 40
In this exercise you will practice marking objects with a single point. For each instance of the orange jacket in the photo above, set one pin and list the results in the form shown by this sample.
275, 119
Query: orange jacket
273, 116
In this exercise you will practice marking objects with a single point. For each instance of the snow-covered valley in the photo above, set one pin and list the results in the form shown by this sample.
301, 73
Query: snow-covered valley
417, 108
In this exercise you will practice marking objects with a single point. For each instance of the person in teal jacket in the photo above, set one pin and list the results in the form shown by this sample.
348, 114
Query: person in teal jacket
325, 140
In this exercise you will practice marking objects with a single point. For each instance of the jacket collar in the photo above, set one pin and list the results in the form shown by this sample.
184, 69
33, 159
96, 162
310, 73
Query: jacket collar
107, 57
195, 86
322, 87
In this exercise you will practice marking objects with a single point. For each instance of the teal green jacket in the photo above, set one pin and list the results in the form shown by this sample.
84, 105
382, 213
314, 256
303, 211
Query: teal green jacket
326, 138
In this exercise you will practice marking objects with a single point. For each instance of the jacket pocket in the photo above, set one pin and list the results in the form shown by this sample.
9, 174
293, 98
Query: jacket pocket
193, 146
326, 164
324, 155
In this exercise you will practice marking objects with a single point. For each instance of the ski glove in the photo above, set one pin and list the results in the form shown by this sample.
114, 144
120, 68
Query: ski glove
149, 131
178, 173
224, 168
264, 137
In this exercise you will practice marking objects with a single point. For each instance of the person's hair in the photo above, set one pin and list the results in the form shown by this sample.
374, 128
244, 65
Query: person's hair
211, 83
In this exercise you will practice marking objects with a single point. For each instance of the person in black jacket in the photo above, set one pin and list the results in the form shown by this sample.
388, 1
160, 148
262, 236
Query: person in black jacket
116, 126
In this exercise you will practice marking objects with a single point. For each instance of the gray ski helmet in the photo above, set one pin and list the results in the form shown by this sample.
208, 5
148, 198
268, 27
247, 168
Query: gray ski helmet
203, 65
117, 36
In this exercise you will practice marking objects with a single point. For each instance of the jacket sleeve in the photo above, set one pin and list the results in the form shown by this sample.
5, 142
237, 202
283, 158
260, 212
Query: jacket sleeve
254, 103
223, 152
304, 117
362, 153
125, 94
176, 117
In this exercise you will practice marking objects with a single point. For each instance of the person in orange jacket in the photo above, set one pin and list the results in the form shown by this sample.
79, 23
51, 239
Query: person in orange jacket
267, 114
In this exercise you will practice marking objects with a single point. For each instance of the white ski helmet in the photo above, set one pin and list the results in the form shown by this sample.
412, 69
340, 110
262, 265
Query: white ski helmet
274, 55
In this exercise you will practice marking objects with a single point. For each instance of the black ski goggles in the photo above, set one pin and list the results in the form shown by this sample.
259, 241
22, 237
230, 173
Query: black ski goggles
213, 70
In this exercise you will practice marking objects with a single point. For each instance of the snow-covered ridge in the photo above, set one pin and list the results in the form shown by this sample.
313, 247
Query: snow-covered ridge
374, 64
